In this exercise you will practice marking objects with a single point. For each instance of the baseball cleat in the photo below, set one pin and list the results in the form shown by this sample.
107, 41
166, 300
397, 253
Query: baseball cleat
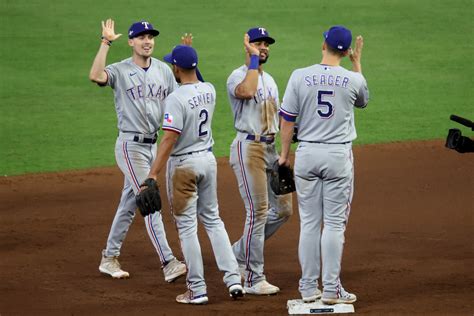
236, 291
173, 270
343, 297
312, 298
262, 288
111, 266
186, 298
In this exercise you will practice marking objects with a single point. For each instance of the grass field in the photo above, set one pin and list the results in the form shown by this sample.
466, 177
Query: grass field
52, 118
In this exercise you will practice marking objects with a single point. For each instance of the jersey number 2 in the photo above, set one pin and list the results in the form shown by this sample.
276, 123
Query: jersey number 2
325, 108
203, 116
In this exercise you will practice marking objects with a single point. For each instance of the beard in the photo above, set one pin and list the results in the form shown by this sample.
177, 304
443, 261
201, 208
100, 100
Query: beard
263, 60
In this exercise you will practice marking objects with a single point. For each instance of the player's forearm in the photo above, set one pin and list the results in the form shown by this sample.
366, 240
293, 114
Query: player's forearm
286, 134
248, 87
97, 72
163, 153
357, 66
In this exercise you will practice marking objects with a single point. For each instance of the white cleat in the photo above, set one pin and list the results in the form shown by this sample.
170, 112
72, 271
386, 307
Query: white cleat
186, 298
111, 266
173, 270
312, 298
262, 288
343, 297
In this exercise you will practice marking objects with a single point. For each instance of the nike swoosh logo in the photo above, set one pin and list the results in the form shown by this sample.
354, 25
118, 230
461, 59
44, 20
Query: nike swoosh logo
133, 74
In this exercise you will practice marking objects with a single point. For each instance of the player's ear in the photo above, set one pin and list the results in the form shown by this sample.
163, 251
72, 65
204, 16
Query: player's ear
346, 52
175, 71
130, 42
323, 48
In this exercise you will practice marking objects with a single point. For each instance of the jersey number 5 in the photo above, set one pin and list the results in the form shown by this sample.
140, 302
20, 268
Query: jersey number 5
325, 108
203, 116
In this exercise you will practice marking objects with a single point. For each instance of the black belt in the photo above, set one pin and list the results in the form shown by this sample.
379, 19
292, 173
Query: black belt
307, 141
145, 140
192, 152
263, 139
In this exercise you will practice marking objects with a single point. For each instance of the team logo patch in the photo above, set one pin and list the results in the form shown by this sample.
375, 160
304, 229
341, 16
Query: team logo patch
168, 118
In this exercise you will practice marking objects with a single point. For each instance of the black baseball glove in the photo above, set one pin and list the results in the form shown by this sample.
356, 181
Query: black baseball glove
294, 139
282, 180
148, 199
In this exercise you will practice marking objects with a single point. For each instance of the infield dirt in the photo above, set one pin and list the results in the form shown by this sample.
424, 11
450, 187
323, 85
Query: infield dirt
409, 245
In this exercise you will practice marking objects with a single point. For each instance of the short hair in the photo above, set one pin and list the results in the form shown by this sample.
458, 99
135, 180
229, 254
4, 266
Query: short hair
187, 70
334, 51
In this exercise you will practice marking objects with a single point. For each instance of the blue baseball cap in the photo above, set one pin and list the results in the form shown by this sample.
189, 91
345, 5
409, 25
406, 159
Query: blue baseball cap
183, 56
142, 27
258, 34
338, 37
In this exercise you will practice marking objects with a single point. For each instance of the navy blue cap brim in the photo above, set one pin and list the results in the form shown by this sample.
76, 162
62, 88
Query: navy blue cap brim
168, 58
152, 32
267, 39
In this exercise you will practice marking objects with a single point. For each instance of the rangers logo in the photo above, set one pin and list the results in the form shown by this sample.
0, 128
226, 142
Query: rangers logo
168, 118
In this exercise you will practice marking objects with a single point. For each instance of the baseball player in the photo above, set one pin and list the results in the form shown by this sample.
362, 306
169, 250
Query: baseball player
253, 96
140, 84
186, 147
323, 97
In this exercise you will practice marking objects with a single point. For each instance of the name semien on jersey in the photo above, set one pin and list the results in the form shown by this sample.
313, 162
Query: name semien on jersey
326, 80
147, 91
201, 99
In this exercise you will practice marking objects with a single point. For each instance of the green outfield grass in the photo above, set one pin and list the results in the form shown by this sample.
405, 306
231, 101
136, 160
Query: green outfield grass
52, 118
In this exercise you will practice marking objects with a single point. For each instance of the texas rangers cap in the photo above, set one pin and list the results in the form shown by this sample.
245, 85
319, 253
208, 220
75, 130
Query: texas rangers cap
183, 56
258, 34
338, 37
142, 27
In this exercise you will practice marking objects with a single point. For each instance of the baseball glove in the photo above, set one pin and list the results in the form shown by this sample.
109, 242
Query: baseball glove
282, 180
295, 135
148, 199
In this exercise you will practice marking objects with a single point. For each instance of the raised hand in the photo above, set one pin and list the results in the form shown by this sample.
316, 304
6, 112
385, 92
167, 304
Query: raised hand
356, 53
249, 48
108, 31
187, 39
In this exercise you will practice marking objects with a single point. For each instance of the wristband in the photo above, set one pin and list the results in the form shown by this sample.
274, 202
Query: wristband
106, 41
254, 62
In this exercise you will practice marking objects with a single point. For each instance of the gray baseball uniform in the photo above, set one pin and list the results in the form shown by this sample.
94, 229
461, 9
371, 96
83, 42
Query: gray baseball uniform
191, 182
251, 155
323, 98
139, 96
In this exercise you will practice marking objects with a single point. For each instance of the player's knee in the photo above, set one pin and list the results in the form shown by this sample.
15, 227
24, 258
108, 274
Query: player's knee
335, 224
261, 210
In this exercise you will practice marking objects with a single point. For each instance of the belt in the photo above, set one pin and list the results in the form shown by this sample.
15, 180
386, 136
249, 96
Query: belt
261, 139
141, 139
192, 152
307, 141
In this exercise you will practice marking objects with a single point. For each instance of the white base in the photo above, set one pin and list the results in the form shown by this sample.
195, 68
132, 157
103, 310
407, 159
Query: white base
296, 307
